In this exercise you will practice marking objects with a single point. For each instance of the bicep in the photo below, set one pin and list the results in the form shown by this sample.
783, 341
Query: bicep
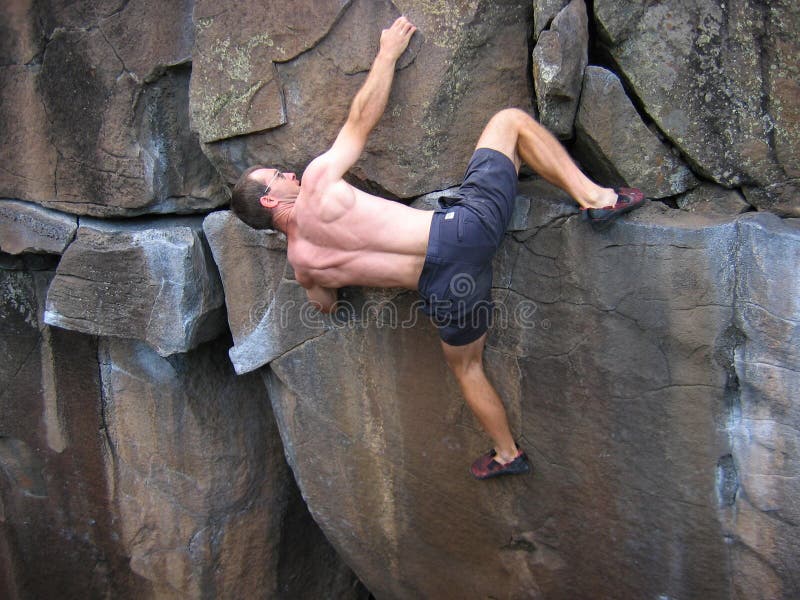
349, 144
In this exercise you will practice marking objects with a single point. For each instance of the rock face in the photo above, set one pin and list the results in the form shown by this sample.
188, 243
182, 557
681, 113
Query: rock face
617, 380
721, 82
474, 63
26, 227
615, 144
162, 363
153, 281
559, 58
164, 478
96, 110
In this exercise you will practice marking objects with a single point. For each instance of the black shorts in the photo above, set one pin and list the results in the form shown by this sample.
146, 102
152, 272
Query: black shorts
466, 231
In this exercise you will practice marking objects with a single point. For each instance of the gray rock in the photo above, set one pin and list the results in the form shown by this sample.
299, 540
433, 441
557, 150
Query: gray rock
261, 294
151, 280
613, 354
544, 11
26, 227
713, 200
559, 58
720, 83
615, 145
765, 437
466, 62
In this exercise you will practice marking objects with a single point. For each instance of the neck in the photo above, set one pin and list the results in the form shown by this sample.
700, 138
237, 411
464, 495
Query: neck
283, 216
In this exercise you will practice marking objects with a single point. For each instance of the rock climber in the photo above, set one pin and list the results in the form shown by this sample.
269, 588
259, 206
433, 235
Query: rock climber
340, 236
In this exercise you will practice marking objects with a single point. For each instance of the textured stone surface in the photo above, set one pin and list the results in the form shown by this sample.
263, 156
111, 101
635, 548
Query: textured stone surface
559, 58
25, 227
260, 292
763, 516
544, 11
474, 63
96, 112
710, 199
721, 82
150, 280
56, 532
200, 485
615, 145
613, 354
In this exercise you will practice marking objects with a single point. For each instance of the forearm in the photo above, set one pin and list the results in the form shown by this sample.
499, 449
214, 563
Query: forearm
370, 102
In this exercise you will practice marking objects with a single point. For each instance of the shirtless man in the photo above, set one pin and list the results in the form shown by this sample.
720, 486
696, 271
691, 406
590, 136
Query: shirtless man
340, 236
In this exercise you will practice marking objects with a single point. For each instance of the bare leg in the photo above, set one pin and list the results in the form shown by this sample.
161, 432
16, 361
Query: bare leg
466, 362
517, 135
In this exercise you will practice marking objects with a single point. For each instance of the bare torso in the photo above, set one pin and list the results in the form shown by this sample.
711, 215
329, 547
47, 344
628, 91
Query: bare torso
343, 236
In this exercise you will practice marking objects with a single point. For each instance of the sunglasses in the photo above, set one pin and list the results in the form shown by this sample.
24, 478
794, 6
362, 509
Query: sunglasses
271, 181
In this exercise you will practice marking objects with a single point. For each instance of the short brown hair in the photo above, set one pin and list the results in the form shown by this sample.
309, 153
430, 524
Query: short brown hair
245, 202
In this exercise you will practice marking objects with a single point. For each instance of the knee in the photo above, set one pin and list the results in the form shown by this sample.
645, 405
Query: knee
463, 366
513, 117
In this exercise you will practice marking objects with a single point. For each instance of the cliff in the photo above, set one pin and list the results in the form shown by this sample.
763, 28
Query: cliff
176, 422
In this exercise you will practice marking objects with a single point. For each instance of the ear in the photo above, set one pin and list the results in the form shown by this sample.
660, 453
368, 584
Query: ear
268, 201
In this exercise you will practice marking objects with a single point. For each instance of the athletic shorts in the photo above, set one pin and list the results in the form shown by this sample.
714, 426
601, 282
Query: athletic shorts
466, 231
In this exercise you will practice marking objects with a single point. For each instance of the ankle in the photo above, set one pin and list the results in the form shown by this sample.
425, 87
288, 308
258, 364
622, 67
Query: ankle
600, 198
506, 455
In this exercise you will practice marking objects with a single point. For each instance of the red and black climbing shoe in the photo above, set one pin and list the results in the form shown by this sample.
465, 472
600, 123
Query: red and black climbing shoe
486, 467
628, 199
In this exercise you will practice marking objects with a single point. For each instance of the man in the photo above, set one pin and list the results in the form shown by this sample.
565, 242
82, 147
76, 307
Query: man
339, 235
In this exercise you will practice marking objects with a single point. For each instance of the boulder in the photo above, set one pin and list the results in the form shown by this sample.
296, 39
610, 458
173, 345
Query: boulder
544, 11
467, 61
152, 280
721, 83
763, 511
615, 145
261, 293
559, 58
26, 227
203, 499
98, 119
713, 200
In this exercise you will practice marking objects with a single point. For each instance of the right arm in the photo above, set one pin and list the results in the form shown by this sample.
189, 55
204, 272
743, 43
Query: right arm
366, 109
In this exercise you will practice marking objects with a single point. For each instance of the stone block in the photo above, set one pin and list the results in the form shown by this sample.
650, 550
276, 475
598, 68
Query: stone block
559, 58
721, 84
615, 145
151, 280
26, 227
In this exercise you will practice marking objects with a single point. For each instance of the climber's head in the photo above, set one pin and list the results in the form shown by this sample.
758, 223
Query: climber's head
262, 195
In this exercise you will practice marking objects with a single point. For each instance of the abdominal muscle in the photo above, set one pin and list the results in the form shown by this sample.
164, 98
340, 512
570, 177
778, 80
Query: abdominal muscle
354, 238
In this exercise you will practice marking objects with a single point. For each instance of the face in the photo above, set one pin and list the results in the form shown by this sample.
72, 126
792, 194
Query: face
276, 182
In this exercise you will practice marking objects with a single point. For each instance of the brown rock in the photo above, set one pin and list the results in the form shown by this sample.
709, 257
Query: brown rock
466, 62
26, 227
99, 120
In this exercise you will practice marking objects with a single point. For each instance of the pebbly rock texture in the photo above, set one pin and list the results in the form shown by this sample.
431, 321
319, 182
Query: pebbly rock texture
149, 280
617, 147
474, 63
559, 58
721, 82
95, 110
613, 353
25, 227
